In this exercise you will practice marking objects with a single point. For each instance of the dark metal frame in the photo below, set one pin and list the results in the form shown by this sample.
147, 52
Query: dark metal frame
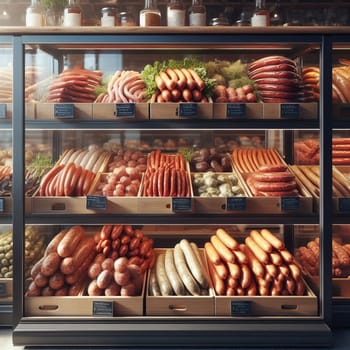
153, 332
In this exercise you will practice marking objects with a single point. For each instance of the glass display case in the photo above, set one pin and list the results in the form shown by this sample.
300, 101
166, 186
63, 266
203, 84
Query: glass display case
171, 206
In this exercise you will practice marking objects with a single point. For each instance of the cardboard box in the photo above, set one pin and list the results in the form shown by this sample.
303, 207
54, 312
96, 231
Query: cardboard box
86, 305
218, 204
302, 204
188, 305
120, 111
245, 306
63, 111
186, 110
237, 110
341, 205
290, 111
6, 111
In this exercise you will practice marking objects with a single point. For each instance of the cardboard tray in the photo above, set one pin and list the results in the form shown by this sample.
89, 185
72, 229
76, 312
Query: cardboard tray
238, 306
237, 110
6, 110
166, 205
219, 205
5, 205
6, 289
340, 204
288, 111
186, 110
62, 204
120, 111
180, 305
63, 111
86, 305
278, 205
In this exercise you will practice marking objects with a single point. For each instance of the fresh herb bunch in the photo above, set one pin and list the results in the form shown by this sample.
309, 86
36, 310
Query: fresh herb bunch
150, 72
54, 4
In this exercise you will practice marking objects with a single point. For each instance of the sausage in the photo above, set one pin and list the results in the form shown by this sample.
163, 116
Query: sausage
172, 274
227, 239
273, 176
185, 274
190, 83
295, 271
222, 250
286, 255
234, 270
41, 280
274, 186
218, 283
269, 61
246, 276
272, 239
265, 245
221, 270
154, 289
276, 258
193, 263
162, 278
53, 244
70, 241
198, 80
260, 254
212, 254
56, 281
169, 82
48, 176
50, 264
254, 264
78, 273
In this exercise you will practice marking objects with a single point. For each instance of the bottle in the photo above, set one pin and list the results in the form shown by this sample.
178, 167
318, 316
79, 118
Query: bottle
34, 14
108, 17
261, 15
276, 18
150, 15
72, 14
176, 13
197, 14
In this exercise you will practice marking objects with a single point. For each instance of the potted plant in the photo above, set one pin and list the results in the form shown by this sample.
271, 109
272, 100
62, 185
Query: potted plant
54, 11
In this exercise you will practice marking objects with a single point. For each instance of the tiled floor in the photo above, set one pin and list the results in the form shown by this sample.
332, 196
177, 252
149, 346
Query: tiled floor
341, 340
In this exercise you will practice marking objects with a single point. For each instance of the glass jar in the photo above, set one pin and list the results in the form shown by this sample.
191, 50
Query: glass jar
72, 15
34, 14
197, 14
219, 21
261, 15
126, 19
108, 17
150, 15
176, 13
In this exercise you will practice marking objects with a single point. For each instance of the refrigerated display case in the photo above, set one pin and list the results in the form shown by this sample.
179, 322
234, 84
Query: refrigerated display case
278, 308
5, 182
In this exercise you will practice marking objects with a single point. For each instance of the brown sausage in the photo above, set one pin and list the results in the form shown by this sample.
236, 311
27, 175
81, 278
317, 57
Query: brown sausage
70, 241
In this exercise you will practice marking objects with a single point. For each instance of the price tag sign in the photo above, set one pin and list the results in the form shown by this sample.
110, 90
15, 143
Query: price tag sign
3, 110
290, 203
290, 110
102, 308
182, 204
241, 308
188, 110
96, 202
235, 110
236, 203
2, 205
125, 110
64, 110
344, 204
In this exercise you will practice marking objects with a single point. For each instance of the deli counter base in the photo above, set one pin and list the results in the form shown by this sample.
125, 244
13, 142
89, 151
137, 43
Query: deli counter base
341, 339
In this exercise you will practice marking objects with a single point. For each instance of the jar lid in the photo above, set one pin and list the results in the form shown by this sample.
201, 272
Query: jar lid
219, 21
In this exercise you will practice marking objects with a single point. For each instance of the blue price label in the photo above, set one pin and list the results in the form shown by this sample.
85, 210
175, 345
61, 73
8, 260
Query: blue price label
344, 204
3, 110
2, 205
181, 204
290, 110
188, 110
64, 110
290, 203
102, 308
235, 110
125, 110
236, 203
96, 202
241, 308
3, 290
